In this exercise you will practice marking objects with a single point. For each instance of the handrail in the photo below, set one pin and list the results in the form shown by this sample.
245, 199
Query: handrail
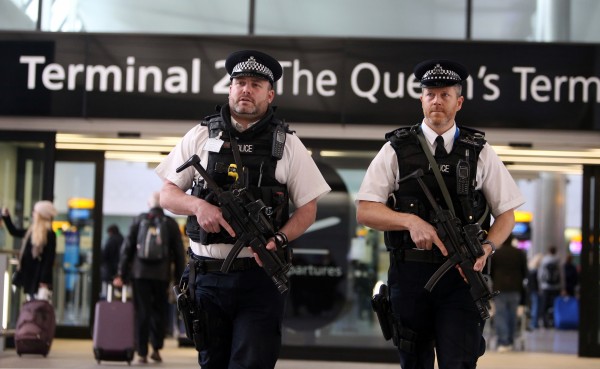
7, 332
9, 252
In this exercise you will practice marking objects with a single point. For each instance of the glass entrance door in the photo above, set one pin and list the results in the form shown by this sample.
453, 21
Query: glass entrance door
25, 174
589, 324
78, 180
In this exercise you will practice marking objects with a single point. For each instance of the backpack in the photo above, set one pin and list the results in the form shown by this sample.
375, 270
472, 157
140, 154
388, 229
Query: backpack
551, 274
153, 238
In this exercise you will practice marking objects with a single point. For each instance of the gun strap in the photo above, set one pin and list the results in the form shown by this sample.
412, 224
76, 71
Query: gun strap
485, 214
236, 151
436, 171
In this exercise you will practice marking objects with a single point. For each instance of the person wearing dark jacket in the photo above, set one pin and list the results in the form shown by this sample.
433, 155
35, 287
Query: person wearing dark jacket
509, 272
571, 276
110, 256
551, 281
38, 250
150, 279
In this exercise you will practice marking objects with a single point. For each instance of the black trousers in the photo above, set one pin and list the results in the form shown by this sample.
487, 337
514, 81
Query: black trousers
150, 300
548, 297
446, 319
245, 313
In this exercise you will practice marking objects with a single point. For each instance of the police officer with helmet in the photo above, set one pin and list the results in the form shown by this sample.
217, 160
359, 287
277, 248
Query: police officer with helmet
243, 307
471, 181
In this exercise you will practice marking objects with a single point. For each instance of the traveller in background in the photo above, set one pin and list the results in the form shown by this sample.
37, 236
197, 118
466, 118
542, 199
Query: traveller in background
444, 322
551, 282
38, 250
151, 248
508, 272
533, 289
110, 256
244, 308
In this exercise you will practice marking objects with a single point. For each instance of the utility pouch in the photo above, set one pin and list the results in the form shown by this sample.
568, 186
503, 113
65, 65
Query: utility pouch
186, 308
381, 306
403, 338
192, 228
403, 204
195, 320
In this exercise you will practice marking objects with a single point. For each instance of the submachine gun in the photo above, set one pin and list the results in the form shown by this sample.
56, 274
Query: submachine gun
464, 247
248, 218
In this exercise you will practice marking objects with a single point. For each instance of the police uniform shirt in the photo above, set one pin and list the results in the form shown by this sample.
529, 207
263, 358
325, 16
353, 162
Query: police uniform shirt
498, 186
296, 169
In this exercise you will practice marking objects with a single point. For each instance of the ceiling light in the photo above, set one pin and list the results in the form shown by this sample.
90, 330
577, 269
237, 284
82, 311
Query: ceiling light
134, 156
574, 169
113, 147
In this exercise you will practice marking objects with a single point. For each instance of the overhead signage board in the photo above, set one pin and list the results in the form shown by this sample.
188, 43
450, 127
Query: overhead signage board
325, 80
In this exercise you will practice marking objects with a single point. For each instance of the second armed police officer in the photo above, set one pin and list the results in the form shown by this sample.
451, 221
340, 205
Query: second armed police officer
444, 321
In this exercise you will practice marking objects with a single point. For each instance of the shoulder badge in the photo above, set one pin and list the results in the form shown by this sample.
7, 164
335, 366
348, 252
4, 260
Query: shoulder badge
472, 136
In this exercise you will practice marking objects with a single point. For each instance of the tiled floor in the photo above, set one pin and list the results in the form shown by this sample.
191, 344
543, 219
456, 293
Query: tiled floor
544, 349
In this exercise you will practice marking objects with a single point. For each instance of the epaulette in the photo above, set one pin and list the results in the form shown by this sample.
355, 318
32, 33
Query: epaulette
472, 136
207, 119
401, 133
285, 126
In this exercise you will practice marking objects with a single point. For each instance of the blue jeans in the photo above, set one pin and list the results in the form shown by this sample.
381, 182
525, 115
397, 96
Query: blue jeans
505, 320
534, 309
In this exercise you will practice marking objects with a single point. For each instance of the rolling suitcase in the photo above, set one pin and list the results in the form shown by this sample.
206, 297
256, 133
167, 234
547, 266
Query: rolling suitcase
35, 328
113, 337
566, 312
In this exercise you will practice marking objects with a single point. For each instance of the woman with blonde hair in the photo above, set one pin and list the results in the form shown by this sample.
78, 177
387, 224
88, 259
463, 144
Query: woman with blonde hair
38, 250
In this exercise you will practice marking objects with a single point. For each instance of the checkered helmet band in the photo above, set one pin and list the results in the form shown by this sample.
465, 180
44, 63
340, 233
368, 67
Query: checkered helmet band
253, 67
438, 73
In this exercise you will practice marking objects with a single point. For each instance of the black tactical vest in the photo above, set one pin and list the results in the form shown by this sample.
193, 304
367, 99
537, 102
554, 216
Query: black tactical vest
259, 154
409, 198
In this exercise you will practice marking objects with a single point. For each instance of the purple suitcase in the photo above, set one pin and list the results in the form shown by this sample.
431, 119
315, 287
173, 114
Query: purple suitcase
113, 337
35, 328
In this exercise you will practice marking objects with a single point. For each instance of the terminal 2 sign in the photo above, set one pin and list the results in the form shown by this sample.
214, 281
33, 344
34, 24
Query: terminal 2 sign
325, 80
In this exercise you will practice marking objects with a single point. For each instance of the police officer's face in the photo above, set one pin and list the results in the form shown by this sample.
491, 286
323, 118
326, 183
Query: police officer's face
440, 105
249, 98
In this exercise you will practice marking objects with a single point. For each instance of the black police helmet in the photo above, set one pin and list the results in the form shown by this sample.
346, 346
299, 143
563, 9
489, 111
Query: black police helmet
440, 73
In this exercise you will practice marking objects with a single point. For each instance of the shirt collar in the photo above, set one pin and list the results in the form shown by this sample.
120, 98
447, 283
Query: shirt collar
448, 136
239, 127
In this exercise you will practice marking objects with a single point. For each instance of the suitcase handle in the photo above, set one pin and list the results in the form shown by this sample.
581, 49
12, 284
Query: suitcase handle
110, 293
